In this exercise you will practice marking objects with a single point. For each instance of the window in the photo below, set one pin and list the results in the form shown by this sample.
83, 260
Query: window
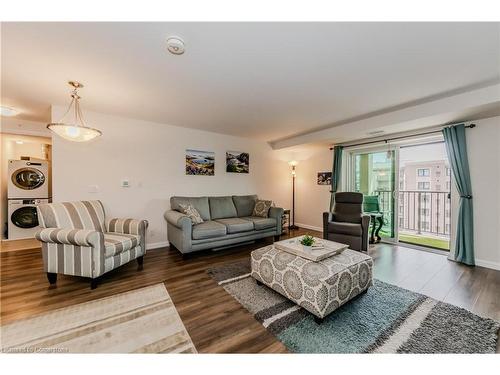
424, 185
438, 173
401, 222
423, 172
447, 228
447, 213
447, 171
425, 225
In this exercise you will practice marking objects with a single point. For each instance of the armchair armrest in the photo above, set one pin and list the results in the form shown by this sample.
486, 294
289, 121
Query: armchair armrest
127, 226
76, 237
178, 220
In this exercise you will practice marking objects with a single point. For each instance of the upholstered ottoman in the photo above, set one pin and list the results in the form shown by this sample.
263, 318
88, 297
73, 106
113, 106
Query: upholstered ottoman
319, 287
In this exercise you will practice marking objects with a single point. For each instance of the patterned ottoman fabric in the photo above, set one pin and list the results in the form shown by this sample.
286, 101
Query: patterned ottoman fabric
319, 287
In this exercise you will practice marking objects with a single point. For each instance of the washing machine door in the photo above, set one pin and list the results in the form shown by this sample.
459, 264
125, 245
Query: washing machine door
28, 178
25, 217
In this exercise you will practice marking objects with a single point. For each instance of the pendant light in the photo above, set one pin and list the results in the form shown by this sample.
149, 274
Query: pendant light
71, 126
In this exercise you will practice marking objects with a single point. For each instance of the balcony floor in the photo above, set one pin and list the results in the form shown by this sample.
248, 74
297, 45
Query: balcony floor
423, 240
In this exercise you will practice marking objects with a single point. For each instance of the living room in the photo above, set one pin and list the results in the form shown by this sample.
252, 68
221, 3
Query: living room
250, 187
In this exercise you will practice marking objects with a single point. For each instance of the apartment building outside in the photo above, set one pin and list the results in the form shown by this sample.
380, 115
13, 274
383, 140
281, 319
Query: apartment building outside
424, 201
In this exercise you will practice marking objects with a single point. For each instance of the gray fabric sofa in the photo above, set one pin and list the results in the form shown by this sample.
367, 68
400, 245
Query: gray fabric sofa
228, 221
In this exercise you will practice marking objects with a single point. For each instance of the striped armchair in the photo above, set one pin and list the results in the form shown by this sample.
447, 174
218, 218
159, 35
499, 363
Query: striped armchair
77, 240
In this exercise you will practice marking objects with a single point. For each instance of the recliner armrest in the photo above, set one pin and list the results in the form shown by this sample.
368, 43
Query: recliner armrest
327, 217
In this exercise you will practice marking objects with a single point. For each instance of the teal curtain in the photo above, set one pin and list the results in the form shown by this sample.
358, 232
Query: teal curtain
456, 147
336, 173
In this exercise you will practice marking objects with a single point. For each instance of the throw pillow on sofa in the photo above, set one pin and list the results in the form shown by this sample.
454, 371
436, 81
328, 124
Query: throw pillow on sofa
192, 212
261, 208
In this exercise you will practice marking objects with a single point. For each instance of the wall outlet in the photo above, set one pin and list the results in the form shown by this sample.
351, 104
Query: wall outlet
125, 183
93, 189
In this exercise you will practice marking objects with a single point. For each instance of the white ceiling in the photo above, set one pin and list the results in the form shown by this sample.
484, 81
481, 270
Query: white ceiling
263, 80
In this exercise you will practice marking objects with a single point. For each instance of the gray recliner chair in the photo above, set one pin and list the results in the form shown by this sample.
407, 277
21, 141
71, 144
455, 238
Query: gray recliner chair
347, 224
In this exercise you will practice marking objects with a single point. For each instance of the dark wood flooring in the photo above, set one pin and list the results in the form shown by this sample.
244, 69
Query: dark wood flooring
215, 321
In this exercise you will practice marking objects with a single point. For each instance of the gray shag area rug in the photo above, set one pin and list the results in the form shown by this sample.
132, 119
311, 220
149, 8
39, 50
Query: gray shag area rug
386, 319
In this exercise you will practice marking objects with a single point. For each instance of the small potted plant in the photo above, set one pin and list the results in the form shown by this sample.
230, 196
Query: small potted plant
307, 242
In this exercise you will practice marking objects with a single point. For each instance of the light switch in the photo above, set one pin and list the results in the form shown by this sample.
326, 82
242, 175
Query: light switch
125, 183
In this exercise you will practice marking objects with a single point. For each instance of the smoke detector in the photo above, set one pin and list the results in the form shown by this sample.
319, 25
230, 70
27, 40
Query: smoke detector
175, 45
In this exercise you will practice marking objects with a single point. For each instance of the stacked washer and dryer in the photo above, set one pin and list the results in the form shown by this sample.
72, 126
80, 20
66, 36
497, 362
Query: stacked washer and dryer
28, 186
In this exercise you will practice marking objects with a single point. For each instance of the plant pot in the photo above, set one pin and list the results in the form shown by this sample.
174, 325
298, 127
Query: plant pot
307, 249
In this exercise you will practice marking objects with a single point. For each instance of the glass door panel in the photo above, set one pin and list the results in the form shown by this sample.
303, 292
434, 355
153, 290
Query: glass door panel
374, 176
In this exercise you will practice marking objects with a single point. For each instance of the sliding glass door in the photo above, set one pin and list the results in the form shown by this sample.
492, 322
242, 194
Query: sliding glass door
373, 173
410, 185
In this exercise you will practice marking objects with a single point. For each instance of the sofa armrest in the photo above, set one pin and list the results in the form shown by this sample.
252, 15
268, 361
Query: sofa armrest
76, 237
277, 213
178, 220
127, 226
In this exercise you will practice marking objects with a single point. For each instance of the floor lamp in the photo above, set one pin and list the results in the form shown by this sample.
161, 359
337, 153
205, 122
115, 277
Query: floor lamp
293, 164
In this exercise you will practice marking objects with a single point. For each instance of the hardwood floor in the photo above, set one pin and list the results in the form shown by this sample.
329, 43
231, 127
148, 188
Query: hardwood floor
15, 245
215, 321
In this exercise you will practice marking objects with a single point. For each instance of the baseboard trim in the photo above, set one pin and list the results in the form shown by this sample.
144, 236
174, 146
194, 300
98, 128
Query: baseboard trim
156, 245
488, 264
311, 227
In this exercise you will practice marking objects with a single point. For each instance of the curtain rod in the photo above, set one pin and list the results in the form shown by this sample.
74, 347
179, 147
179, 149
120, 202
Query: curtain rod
471, 126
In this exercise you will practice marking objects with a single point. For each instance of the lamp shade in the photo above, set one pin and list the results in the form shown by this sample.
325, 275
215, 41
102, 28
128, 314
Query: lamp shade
74, 133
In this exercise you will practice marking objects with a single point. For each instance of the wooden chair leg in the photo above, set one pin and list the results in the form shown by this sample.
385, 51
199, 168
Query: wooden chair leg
52, 277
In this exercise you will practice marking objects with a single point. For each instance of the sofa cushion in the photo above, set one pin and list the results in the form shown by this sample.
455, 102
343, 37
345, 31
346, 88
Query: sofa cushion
222, 207
261, 208
244, 204
350, 229
200, 203
208, 229
116, 243
260, 223
236, 225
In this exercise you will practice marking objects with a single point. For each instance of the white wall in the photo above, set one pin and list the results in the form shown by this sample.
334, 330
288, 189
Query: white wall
483, 148
311, 199
152, 157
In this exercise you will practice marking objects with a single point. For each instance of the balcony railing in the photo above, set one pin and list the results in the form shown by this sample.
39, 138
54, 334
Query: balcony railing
419, 212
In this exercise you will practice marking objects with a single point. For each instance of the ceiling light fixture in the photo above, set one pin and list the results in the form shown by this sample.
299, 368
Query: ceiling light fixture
175, 45
75, 129
19, 142
8, 111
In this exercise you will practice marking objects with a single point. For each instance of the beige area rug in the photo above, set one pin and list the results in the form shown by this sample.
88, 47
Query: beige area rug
140, 321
